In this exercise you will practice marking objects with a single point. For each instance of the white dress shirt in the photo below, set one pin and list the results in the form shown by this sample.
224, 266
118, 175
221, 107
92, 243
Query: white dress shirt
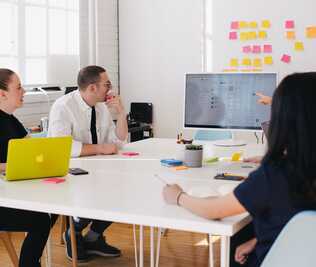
70, 115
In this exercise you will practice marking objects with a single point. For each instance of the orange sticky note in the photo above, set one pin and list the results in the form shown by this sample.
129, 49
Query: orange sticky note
262, 34
243, 24
266, 24
253, 24
257, 62
290, 35
246, 62
181, 168
311, 32
234, 62
299, 46
268, 60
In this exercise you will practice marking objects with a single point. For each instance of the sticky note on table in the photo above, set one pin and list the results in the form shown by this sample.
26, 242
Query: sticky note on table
233, 36
130, 154
246, 62
257, 62
236, 156
256, 49
234, 62
290, 35
299, 46
289, 24
262, 34
266, 24
311, 32
234, 25
54, 180
253, 24
246, 49
181, 168
267, 48
286, 58
268, 60
243, 24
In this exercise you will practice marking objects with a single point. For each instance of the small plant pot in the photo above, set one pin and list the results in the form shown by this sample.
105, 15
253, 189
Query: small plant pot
193, 158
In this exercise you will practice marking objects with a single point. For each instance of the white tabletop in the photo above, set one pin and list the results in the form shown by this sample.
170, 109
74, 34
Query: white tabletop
123, 190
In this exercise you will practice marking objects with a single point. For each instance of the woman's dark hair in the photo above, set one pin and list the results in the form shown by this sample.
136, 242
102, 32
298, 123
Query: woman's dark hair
89, 75
5, 76
292, 135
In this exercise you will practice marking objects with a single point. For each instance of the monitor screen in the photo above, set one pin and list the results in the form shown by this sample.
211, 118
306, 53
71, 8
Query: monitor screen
227, 100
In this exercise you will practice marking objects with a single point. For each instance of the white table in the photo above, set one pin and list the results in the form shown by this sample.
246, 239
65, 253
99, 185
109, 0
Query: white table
123, 190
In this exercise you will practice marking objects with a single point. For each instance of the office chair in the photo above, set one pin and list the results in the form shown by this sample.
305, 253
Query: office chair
295, 245
212, 135
5, 237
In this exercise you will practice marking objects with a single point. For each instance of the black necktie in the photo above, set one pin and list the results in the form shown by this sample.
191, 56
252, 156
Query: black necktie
93, 128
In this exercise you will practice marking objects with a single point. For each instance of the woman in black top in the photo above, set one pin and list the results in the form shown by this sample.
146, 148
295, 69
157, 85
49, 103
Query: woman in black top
37, 225
283, 185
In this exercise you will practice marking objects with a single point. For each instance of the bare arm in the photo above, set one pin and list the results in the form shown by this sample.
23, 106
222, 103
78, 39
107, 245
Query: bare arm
209, 207
2, 167
104, 149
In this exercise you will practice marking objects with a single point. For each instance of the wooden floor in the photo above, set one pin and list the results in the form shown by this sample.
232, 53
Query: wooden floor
178, 249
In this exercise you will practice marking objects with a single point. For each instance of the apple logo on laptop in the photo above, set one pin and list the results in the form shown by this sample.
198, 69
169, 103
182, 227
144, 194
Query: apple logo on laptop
39, 158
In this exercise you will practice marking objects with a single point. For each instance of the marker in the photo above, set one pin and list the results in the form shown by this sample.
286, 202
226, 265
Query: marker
161, 179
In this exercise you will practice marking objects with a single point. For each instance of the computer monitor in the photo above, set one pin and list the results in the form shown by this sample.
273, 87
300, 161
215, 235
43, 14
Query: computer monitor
227, 100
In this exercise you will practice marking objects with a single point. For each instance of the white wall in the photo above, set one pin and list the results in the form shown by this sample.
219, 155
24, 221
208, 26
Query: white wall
160, 41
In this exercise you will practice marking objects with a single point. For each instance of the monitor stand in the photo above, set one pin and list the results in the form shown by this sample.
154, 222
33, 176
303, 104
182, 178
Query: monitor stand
230, 142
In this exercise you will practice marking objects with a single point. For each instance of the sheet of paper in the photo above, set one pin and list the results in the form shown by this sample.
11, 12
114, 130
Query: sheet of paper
257, 62
266, 24
289, 24
267, 48
246, 62
234, 62
233, 36
256, 49
262, 35
234, 25
268, 60
246, 49
290, 35
311, 32
286, 58
299, 46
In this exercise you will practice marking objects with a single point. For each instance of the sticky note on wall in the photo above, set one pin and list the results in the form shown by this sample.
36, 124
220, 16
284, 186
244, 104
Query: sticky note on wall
290, 35
243, 24
289, 24
311, 32
299, 46
233, 36
246, 62
243, 36
257, 62
286, 58
233, 62
256, 49
268, 60
266, 24
252, 35
246, 49
253, 24
234, 25
262, 35
267, 48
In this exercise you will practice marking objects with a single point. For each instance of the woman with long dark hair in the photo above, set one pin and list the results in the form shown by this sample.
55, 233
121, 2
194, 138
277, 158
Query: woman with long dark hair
285, 182
37, 225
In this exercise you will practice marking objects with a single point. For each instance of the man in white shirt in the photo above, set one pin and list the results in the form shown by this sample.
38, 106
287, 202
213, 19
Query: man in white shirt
84, 114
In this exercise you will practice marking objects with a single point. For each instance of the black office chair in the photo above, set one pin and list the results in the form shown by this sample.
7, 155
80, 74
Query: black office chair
69, 89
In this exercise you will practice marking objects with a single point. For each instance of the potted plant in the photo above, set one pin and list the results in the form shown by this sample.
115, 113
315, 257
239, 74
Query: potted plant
193, 155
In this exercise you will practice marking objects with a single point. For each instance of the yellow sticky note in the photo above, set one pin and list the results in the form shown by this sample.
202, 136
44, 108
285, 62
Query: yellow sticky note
234, 62
244, 36
243, 24
290, 35
266, 24
252, 35
257, 62
299, 46
236, 156
268, 60
246, 62
311, 32
253, 24
262, 34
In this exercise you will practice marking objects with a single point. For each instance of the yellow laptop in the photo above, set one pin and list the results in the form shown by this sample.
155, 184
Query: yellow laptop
31, 158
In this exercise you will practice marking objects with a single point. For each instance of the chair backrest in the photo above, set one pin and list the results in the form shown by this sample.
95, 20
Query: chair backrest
211, 135
296, 244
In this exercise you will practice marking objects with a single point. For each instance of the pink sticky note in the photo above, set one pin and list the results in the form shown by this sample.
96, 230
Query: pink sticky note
130, 154
234, 25
256, 49
54, 180
267, 48
233, 36
246, 49
286, 58
289, 24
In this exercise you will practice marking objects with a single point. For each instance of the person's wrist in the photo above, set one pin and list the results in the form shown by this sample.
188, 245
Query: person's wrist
178, 197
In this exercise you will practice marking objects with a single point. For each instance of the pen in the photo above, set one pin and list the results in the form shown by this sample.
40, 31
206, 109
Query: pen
160, 179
